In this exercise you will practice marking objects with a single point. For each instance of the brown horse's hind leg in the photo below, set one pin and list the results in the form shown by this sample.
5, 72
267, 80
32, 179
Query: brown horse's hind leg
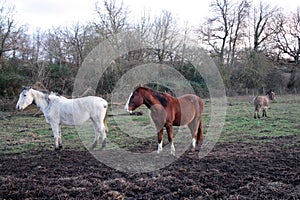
170, 132
256, 111
193, 126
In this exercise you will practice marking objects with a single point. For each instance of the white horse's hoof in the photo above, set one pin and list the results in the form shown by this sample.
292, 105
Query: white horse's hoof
103, 144
58, 148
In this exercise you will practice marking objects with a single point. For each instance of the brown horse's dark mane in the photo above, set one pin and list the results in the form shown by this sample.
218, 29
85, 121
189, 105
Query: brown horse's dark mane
160, 96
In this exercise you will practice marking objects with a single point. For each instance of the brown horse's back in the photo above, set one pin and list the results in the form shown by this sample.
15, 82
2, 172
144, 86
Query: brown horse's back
191, 108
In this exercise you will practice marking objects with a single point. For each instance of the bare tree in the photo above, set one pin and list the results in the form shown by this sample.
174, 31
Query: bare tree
288, 41
163, 37
238, 26
217, 28
288, 35
77, 42
223, 31
112, 18
144, 24
54, 48
40, 66
8, 29
262, 28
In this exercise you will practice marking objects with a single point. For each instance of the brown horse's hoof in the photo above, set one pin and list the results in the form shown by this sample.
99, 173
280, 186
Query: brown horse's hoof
191, 150
137, 113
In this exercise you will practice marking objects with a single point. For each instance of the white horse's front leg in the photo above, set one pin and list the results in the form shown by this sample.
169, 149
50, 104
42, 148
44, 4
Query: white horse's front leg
59, 137
55, 130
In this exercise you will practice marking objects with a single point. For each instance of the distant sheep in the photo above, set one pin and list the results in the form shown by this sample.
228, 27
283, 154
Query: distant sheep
262, 102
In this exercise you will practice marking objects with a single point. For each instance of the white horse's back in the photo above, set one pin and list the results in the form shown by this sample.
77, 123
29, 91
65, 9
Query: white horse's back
77, 111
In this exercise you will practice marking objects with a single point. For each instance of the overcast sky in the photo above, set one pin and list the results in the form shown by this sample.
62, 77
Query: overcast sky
47, 13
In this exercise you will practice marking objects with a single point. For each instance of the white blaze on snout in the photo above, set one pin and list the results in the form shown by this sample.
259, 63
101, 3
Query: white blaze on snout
126, 108
19, 101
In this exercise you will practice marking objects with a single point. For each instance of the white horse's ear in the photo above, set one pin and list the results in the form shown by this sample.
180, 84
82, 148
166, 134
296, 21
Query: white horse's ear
27, 87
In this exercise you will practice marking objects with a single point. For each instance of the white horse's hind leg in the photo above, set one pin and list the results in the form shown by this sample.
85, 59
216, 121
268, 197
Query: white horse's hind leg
99, 127
103, 132
97, 134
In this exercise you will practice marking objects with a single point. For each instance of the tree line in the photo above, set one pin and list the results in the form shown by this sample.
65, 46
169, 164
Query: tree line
255, 46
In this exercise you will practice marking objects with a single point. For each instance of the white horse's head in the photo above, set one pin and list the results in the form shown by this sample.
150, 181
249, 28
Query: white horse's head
25, 98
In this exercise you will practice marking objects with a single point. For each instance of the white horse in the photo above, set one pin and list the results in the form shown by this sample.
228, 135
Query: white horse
59, 110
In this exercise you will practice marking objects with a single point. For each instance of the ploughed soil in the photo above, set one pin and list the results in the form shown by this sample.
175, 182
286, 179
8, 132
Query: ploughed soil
229, 171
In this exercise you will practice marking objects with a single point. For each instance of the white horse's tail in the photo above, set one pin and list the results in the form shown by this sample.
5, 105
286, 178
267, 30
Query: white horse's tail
105, 123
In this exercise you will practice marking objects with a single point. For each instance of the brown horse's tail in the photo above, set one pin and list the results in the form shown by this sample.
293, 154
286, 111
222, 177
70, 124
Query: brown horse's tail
200, 136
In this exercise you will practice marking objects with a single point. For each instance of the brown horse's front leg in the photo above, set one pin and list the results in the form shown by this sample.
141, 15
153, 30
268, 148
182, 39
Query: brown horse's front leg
160, 140
170, 132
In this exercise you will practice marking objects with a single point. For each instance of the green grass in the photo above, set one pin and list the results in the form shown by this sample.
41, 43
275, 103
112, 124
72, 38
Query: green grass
21, 132
283, 120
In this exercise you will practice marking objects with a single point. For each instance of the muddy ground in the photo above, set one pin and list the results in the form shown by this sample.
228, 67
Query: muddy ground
230, 171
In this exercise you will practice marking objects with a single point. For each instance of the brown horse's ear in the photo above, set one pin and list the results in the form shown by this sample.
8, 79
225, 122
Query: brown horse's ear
140, 85
270, 91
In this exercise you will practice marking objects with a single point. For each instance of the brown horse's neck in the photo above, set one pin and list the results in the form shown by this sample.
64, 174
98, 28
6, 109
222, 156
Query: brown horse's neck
149, 99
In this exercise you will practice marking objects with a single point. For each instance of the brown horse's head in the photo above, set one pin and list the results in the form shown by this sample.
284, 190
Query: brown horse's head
134, 101
271, 94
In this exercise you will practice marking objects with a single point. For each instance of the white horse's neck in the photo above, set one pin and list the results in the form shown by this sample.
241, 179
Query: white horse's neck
40, 99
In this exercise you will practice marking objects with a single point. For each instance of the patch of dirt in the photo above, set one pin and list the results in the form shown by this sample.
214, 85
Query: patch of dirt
230, 171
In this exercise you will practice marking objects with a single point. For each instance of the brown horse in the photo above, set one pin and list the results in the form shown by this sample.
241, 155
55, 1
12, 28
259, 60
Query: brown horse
168, 111
263, 102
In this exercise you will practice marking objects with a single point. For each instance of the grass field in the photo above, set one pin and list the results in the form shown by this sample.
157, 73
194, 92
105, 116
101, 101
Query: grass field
22, 131
252, 159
